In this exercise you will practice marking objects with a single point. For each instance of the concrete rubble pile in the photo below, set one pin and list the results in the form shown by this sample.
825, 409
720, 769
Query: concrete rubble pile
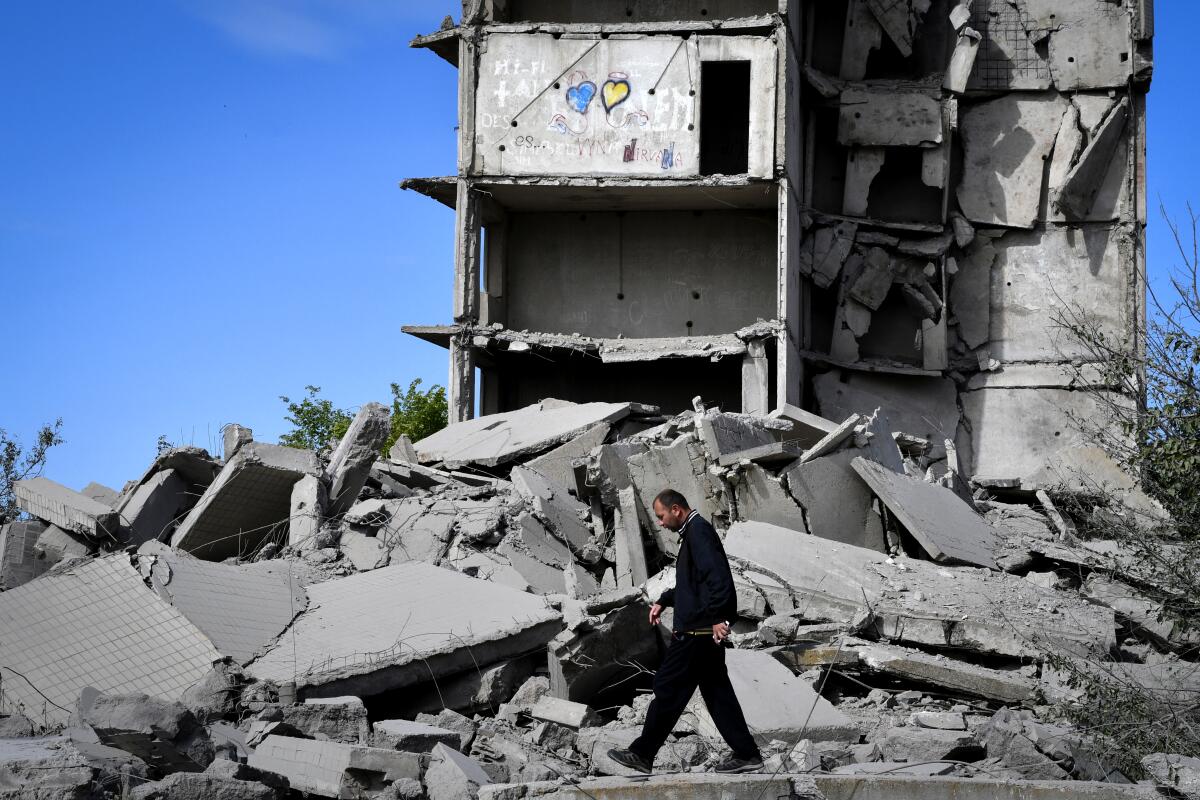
470, 619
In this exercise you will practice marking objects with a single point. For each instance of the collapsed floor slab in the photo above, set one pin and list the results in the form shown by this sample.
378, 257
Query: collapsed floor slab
502, 438
242, 609
248, 500
434, 621
95, 624
914, 601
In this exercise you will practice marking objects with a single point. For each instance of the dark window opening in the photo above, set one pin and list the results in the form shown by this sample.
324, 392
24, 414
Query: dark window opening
724, 117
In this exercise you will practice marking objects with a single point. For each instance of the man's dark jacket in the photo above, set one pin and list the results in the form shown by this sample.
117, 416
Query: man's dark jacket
703, 593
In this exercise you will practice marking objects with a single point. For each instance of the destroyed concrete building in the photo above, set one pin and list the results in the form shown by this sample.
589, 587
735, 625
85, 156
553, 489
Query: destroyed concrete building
802, 263
788, 201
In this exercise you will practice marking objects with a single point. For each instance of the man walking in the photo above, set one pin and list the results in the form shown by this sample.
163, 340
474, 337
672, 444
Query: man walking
704, 602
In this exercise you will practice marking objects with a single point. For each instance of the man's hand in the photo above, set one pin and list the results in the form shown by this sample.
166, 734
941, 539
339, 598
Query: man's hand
720, 632
655, 613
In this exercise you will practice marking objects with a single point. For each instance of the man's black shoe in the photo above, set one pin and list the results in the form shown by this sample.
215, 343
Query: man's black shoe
630, 759
736, 764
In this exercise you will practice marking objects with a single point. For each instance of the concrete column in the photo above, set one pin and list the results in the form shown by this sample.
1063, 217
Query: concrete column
792, 306
461, 391
466, 254
756, 390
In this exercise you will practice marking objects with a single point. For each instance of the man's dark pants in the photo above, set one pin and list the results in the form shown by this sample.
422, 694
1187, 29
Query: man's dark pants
693, 661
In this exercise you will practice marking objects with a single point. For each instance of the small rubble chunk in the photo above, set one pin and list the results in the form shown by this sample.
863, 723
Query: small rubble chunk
412, 737
233, 436
563, 712
453, 776
331, 719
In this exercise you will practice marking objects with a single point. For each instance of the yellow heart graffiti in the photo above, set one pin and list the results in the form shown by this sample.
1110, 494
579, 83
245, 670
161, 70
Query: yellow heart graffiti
614, 93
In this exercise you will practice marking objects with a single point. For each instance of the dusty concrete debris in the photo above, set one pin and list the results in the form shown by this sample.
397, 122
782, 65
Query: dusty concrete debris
901, 238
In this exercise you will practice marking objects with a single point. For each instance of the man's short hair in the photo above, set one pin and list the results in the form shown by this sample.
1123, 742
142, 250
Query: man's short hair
669, 497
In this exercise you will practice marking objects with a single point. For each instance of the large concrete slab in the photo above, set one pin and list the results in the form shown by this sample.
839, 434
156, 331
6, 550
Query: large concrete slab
776, 703
247, 502
1005, 146
501, 438
241, 609
889, 118
332, 769
558, 464
681, 466
944, 525
150, 510
66, 508
394, 626
96, 624
957, 677
891, 787
673, 786
836, 501
918, 602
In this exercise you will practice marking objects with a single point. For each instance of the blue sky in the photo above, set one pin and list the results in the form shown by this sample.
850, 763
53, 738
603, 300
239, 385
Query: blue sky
199, 211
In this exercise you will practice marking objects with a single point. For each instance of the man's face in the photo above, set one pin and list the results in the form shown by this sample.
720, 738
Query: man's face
670, 518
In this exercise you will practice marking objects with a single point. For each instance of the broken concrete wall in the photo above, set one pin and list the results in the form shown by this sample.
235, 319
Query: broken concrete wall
626, 107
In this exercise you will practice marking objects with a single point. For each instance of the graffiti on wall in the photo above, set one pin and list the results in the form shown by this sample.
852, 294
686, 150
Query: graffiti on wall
575, 119
611, 107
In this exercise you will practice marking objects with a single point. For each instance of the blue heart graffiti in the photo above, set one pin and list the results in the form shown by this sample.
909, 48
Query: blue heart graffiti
579, 97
